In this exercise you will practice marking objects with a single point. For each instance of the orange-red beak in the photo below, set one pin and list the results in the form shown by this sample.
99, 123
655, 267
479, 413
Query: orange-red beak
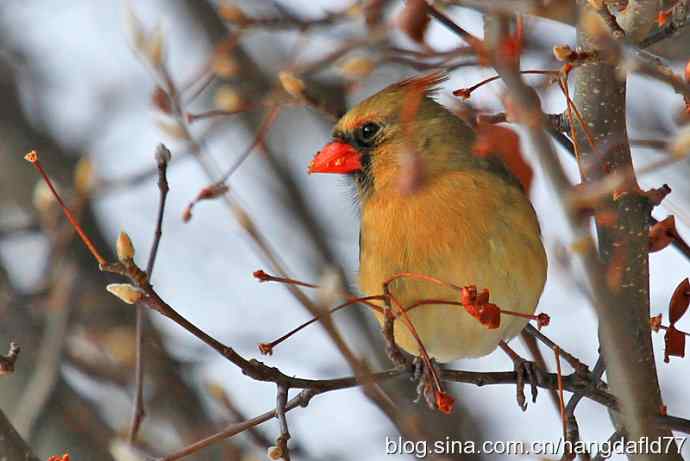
336, 157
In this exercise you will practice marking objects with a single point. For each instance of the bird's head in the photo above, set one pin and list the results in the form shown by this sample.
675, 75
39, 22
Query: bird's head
370, 140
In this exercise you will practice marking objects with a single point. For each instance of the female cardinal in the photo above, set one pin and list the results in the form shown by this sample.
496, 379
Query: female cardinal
468, 222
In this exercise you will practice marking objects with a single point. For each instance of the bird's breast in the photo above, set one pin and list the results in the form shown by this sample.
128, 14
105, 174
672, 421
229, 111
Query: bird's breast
468, 228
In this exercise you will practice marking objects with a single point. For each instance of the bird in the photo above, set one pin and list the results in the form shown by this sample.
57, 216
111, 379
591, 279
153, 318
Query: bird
468, 221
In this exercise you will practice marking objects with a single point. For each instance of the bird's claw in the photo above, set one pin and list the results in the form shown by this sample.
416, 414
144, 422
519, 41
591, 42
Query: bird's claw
424, 378
530, 371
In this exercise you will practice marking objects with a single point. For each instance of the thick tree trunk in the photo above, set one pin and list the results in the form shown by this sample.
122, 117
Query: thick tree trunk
600, 95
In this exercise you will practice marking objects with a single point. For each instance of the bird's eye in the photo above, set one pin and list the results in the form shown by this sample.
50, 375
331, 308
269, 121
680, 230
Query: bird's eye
367, 133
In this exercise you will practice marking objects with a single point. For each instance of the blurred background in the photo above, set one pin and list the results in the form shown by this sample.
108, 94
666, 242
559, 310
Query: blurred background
77, 86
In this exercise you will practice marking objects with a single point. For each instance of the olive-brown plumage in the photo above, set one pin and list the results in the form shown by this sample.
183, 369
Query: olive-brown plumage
469, 223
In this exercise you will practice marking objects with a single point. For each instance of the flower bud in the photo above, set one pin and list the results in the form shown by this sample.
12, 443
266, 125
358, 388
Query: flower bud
291, 84
83, 175
126, 292
225, 66
274, 453
124, 247
357, 67
227, 98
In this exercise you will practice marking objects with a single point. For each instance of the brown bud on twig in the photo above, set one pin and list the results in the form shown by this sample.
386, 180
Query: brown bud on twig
274, 453
135, 28
261, 276
357, 67
225, 66
265, 348
161, 100
124, 247
227, 98
291, 84
83, 176
213, 191
154, 47
126, 292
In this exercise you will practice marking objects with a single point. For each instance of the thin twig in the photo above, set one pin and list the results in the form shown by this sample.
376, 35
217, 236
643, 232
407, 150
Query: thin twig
572, 432
162, 157
282, 440
615, 437
572, 360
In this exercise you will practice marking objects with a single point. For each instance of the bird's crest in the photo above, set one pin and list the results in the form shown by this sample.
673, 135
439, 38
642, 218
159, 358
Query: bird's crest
426, 83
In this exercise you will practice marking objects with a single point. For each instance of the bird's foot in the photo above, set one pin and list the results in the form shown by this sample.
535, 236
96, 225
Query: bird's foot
399, 358
423, 376
525, 371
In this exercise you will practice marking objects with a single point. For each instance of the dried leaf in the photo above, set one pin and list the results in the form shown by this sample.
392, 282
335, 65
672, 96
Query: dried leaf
161, 100
662, 17
464, 93
543, 320
675, 343
662, 234
504, 143
265, 348
414, 20
64, 457
478, 306
213, 191
490, 316
679, 302
444, 402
